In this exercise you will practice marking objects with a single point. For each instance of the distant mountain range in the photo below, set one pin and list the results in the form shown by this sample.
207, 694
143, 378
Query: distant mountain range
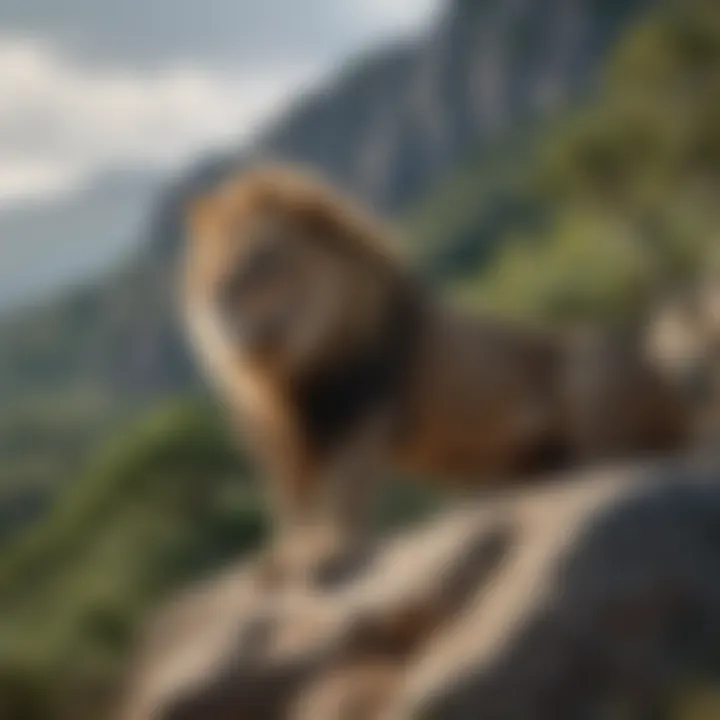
390, 127
46, 245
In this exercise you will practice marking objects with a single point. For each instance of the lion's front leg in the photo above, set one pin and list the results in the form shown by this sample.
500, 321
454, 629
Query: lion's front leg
322, 511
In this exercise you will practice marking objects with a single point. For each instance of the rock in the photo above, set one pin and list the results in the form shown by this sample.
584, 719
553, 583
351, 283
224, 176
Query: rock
683, 340
591, 597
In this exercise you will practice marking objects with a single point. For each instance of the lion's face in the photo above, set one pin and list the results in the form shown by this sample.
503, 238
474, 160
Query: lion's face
271, 289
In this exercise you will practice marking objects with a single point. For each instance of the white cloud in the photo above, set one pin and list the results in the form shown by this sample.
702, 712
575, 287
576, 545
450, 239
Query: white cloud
60, 121
64, 117
22, 180
215, 33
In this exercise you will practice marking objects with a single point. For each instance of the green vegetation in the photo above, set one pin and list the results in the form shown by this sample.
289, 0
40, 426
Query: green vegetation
461, 226
627, 189
166, 503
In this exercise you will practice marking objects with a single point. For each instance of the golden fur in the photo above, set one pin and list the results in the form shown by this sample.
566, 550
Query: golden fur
339, 365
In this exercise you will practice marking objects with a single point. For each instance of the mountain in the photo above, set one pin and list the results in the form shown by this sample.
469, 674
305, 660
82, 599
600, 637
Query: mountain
51, 243
389, 127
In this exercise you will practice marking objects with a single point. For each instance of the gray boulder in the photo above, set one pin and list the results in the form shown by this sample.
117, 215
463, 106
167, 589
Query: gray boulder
594, 596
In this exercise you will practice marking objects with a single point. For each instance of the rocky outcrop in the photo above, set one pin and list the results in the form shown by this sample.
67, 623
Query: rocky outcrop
591, 597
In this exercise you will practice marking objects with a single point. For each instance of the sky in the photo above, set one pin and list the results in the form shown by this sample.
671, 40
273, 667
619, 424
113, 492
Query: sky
91, 86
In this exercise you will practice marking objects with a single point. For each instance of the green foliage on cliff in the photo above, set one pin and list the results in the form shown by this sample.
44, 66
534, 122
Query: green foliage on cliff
165, 503
629, 188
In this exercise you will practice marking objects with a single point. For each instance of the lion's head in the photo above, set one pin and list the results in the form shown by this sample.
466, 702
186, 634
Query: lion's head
285, 270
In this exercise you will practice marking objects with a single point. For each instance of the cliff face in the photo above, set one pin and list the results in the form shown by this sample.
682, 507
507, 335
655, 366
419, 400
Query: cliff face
595, 598
392, 125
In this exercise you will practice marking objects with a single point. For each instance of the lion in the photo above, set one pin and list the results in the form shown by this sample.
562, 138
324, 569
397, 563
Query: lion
340, 365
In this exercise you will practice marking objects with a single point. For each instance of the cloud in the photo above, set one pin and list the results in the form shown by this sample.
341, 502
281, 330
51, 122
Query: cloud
92, 86
60, 120
26, 180
216, 33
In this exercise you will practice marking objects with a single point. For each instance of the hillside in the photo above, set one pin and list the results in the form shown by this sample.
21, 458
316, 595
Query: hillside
623, 193
47, 244
390, 126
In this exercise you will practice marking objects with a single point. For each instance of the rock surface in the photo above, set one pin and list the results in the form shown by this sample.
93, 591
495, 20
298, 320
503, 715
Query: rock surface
591, 597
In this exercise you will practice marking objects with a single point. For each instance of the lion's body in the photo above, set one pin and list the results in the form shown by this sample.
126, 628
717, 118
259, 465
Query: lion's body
492, 402
465, 429
359, 371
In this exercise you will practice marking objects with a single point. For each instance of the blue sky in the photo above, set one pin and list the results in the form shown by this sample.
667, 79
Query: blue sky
89, 86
